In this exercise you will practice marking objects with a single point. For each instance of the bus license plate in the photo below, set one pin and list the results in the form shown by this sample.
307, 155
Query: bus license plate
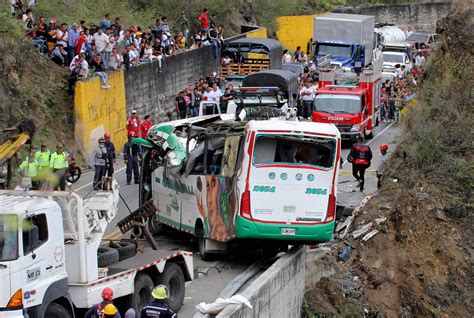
286, 231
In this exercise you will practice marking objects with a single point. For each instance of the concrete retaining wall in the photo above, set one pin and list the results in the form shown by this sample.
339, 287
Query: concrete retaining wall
150, 92
278, 292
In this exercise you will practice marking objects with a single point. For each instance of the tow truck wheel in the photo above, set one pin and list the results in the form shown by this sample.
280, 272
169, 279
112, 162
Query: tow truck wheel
173, 277
142, 291
57, 311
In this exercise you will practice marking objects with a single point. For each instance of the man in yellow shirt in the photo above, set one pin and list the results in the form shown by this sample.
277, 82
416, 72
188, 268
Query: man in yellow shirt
29, 168
43, 156
59, 164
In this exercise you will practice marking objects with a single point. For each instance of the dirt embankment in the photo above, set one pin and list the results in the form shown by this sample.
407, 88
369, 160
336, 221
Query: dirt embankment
420, 263
33, 87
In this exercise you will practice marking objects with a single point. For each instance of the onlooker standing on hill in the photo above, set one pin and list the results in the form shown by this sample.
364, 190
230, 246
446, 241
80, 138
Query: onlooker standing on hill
62, 36
213, 22
104, 24
115, 61
184, 25
101, 41
74, 34
204, 20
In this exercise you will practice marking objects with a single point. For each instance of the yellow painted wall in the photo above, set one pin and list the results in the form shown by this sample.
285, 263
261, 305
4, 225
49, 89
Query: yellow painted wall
99, 110
293, 31
258, 33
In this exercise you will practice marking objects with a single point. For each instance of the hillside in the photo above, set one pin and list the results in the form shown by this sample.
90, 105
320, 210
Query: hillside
32, 87
421, 262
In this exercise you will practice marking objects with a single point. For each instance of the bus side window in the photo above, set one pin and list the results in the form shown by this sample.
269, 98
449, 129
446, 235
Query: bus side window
229, 159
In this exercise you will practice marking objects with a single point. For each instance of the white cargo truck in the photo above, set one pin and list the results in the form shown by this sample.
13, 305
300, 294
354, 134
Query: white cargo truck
49, 244
348, 39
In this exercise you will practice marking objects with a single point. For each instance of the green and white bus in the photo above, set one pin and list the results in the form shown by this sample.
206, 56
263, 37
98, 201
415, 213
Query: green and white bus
270, 181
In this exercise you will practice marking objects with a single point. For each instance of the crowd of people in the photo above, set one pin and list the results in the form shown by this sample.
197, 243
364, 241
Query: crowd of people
95, 48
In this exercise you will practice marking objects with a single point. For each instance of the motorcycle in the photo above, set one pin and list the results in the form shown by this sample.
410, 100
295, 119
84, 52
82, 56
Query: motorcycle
73, 171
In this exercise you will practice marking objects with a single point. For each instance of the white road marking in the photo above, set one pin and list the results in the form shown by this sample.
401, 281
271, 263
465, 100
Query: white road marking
90, 183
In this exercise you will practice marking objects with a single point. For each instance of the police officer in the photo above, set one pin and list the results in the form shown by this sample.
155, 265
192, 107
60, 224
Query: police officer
158, 307
59, 164
360, 157
100, 163
43, 156
29, 168
130, 156
103, 309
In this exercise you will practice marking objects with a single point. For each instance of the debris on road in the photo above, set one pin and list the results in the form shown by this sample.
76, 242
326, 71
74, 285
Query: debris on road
220, 303
369, 235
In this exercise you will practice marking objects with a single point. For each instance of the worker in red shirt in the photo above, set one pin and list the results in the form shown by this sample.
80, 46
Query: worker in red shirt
145, 126
133, 124
204, 20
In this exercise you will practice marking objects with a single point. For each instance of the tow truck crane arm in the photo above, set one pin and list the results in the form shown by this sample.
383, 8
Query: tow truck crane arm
12, 139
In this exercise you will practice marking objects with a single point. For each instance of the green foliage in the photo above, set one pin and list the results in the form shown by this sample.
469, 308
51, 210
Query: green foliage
439, 136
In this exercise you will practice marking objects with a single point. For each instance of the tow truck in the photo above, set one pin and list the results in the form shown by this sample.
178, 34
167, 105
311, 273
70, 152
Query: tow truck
51, 243
354, 109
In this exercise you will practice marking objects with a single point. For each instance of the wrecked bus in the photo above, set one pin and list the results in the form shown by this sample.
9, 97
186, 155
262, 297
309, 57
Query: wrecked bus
273, 182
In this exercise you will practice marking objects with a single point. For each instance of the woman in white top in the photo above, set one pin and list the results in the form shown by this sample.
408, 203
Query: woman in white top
286, 58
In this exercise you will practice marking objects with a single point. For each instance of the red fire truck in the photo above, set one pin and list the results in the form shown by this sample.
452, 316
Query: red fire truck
353, 109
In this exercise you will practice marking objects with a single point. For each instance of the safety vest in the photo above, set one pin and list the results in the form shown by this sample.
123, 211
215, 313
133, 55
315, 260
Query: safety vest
58, 161
29, 169
43, 158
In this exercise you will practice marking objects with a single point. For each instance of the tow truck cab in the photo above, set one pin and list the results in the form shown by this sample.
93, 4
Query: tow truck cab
353, 109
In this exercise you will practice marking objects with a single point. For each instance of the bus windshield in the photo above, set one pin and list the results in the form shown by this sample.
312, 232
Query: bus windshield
297, 150
8, 237
335, 50
334, 103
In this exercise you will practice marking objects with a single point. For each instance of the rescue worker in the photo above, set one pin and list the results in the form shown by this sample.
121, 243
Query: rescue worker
383, 164
131, 156
109, 145
43, 156
59, 164
133, 124
158, 307
145, 126
360, 156
100, 158
29, 168
103, 309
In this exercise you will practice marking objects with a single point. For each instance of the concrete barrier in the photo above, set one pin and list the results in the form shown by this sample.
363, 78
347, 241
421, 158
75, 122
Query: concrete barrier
278, 292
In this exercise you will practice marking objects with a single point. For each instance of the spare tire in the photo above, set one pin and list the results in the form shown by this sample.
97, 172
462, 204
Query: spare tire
107, 256
125, 249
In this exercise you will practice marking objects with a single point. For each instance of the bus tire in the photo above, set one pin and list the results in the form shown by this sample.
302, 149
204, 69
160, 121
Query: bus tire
107, 256
205, 256
57, 311
154, 226
173, 278
142, 291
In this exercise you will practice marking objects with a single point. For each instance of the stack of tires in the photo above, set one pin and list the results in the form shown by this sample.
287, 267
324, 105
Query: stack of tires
115, 252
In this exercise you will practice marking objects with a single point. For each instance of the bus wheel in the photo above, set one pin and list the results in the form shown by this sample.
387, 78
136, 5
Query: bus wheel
154, 226
205, 256
173, 277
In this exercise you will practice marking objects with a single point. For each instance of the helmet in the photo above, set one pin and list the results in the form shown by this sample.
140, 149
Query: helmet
160, 292
132, 134
107, 135
110, 309
383, 148
107, 294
